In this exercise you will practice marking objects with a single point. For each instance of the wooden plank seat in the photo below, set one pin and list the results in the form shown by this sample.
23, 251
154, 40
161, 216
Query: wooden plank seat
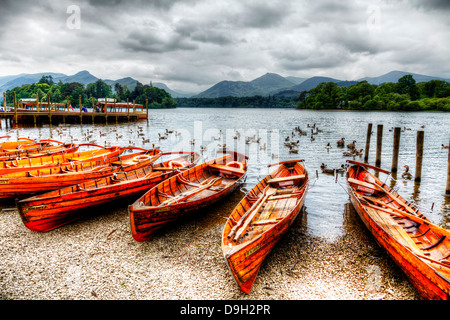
227, 169
365, 186
163, 168
284, 179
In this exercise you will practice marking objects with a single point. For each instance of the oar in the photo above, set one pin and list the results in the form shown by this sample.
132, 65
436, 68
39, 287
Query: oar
193, 193
412, 217
252, 213
244, 216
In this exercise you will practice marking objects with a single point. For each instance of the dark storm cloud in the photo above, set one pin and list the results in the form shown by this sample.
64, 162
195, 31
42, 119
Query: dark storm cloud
207, 32
154, 43
140, 4
260, 14
433, 4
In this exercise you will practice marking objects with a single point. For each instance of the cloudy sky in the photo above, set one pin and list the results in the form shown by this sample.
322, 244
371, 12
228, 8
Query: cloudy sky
193, 44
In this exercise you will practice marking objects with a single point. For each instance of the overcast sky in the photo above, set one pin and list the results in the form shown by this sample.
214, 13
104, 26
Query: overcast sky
193, 44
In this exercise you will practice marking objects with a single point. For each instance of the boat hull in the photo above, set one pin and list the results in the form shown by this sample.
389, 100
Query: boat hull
53, 209
146, 223
245, 264
414, 268
147, 217
261, 219
420, 248
48, 214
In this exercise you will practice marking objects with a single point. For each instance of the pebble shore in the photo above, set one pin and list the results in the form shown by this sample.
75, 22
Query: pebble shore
96, 258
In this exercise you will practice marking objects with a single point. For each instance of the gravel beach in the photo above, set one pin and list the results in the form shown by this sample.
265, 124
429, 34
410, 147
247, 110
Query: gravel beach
96, 258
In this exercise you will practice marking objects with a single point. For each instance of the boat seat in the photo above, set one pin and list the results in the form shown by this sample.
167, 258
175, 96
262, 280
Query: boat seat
364, 186
163, 168
284, 179
227, 169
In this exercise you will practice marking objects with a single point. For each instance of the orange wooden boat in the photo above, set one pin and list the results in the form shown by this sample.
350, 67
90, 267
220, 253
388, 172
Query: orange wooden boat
56, 208
21, 142
27, 164
185, 193
38, 149
420, 248
261, 218
26, 183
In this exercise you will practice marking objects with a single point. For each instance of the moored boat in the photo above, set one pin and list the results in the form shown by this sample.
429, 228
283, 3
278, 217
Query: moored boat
38, 149
261, 218
185, 193
56, 208
27, 183
27, 164
21, 142
419, 247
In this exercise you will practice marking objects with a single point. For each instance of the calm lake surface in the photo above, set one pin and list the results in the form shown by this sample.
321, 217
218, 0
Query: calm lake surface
327, 198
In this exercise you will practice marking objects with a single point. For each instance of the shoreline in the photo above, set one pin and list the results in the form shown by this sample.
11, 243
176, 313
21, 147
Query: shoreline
96, 258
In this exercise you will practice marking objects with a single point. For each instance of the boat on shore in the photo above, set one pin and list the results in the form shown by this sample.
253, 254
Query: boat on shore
185, 193
261, 218
38, 149
15, 145
56, 208
419, 247
27, 183
27, 164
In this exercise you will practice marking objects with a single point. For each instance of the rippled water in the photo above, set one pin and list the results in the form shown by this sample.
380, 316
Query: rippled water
327, 198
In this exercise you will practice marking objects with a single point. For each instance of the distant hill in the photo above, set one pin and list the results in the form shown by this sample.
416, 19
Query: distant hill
173, 93
278, 86
128, 81
85, 77
262, 86
393, 76
269, 84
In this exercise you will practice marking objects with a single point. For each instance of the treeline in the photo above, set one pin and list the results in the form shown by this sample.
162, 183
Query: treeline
58, 93
405, 95
238, 102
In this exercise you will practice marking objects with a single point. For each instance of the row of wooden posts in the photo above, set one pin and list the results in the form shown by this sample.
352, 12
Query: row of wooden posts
396, 147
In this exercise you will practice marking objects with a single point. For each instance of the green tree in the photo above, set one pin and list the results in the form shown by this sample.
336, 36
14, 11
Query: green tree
407, 85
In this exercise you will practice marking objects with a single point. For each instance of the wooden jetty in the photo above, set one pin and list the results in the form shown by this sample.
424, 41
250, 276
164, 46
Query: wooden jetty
33, 111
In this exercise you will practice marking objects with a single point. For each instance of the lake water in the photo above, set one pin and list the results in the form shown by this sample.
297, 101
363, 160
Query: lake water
327, 198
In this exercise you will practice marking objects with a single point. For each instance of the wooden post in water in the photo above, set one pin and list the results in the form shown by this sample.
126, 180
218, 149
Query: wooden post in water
49, 110
447, 189
93, 110
79, 103
15, 107
394, 167
419, 156
146, 107
366, 151
379, 144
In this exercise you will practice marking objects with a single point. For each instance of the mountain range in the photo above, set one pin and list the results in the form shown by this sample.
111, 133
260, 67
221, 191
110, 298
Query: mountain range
268, 84
275, 85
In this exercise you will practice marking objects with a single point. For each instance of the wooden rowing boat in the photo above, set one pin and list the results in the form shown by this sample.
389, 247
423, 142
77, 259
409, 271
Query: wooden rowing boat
26, 183
56, 208
419, 247
27, 164
261, 218
21, 142
39, 149
185, 193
